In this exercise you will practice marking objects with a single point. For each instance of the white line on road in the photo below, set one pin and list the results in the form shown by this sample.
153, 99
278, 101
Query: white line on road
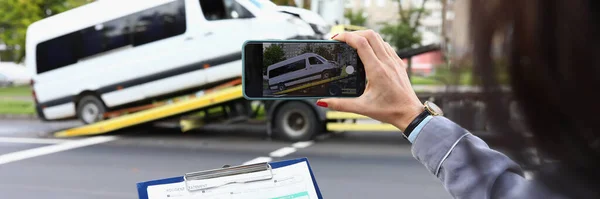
282, 152
45, 150
32, 140
258, 160
301, 145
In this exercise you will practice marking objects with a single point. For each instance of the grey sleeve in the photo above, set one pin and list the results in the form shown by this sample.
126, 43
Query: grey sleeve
467, 167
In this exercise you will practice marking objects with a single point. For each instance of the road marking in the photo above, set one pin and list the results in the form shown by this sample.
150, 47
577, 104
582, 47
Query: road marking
32, 140
282, 152
45, 150
301, 145
258, 160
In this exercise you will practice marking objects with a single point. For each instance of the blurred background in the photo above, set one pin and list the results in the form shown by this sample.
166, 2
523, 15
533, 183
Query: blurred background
96, 96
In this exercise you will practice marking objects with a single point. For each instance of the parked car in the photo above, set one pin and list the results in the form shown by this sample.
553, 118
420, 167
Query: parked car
300, 69
5, 81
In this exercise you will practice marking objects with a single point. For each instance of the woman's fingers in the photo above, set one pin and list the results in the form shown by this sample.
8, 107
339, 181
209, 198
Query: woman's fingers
362, 46
395, 56
376, 42
341, 104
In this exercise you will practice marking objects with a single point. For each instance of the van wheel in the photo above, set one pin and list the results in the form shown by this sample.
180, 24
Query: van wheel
281, 87
90, 109
326, 75
295, 121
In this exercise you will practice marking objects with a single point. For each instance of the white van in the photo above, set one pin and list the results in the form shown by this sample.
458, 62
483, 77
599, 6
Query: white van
111, 53
300, 69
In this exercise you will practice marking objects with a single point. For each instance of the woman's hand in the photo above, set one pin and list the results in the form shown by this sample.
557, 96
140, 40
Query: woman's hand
388, 96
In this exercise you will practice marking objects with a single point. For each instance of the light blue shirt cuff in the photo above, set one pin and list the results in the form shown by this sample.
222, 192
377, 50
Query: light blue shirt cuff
417, 130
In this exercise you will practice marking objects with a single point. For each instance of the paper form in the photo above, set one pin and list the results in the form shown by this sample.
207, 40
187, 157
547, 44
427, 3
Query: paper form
289, 182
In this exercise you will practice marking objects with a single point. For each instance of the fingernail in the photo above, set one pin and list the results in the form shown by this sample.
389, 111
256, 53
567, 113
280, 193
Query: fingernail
335, 35
322, 104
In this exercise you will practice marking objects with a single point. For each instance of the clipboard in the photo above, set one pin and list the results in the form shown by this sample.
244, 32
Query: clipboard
211, 181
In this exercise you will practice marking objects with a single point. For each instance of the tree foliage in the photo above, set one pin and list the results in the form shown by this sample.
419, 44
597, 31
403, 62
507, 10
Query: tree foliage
404, 32
306, 49
355, 17
17, 15
273, 54
323, 51
306, 3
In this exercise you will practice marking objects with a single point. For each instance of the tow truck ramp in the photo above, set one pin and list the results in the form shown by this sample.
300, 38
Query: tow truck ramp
165, 111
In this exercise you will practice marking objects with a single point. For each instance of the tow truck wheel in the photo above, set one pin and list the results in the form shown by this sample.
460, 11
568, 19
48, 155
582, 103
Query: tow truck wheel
334, 90
295, 121
90, 109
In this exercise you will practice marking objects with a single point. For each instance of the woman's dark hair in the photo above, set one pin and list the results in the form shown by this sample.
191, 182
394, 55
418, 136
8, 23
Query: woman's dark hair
553, 59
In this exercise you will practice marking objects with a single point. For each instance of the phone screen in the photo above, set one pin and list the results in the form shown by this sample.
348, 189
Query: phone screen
302, 69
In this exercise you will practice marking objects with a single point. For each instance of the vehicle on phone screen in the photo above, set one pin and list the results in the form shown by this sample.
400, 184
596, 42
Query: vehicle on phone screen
111, 54
300, 69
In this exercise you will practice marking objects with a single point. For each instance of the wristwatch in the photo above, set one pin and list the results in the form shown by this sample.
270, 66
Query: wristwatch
429, 109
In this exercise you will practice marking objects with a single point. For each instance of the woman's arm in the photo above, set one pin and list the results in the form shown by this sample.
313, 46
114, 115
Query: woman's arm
464, 163
467, 167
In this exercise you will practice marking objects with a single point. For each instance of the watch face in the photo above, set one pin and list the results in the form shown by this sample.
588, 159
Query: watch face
434, 109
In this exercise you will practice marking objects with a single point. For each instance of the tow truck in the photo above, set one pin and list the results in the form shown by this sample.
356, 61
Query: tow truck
290, 120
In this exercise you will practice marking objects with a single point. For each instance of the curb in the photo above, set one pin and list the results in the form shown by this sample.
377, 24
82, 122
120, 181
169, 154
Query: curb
18, 116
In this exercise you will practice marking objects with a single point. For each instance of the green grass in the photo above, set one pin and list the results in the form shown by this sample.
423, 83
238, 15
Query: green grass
16, 91
416, 80
16, 107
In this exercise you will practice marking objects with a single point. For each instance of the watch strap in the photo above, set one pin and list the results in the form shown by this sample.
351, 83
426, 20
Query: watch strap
415, 123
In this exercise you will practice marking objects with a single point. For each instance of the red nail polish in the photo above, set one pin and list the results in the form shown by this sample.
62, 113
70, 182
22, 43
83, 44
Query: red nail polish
335, 35
322, 104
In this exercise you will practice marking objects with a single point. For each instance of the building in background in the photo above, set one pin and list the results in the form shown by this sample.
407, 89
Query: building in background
382, 11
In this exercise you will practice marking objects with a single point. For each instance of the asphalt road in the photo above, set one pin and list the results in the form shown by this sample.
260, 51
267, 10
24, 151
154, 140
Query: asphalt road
346, 165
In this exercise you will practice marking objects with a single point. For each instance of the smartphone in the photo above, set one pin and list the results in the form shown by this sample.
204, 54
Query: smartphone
290, 69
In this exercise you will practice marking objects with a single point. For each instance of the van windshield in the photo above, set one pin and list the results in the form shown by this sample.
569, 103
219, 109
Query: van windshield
314, 61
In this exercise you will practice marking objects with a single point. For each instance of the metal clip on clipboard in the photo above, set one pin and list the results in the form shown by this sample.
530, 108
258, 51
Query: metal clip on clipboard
215, 178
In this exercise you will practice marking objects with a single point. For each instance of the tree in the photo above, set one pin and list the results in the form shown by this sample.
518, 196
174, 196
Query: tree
17, 15
404, 32
272, 55
356, 17
307, 49
323, 51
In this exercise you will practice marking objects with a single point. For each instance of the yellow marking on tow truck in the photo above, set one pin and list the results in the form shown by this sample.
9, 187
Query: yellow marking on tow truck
360, 127
309, 85
338, 126
344, 115
168, 110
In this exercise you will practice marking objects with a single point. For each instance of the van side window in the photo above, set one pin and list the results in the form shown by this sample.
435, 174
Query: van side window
314, 61
136, 29
291, 67
299, 65
158, 23
57, 52
223, 9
